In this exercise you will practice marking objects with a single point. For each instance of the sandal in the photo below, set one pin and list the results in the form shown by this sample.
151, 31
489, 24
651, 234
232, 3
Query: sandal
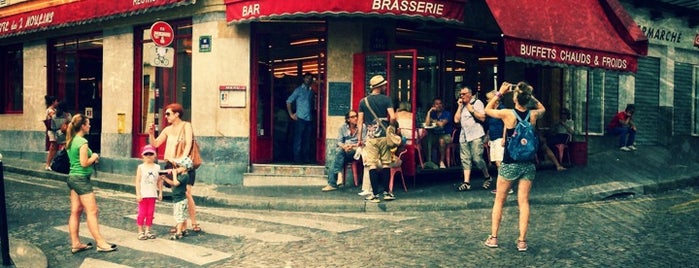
142, 236
82, 248
196, 228
111, 248
486, 183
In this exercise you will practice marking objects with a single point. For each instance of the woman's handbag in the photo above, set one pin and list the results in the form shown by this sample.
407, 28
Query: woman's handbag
392, 139
61, 163
193, 153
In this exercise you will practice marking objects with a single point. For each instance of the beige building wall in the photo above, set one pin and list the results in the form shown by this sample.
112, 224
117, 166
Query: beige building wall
117, 79
344, 40
228, 63
34, 107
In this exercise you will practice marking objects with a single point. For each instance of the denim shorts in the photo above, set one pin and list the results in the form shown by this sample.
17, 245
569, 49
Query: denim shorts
81, 184
513, 171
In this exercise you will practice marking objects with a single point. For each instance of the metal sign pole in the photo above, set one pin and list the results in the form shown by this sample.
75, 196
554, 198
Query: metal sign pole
4, 237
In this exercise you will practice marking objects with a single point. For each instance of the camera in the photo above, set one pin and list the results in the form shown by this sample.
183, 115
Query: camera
512, 87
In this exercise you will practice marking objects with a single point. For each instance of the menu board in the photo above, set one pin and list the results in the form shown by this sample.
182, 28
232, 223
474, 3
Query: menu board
375, 65
340, 98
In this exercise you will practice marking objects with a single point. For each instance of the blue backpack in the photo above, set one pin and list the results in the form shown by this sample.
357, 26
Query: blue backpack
523, 143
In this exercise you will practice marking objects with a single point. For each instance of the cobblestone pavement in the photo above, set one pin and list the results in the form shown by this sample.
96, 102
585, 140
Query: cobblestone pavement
649, 231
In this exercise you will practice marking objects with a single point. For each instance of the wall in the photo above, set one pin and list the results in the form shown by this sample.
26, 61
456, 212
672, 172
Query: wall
344, 40
28, 125
117, 84
222, 133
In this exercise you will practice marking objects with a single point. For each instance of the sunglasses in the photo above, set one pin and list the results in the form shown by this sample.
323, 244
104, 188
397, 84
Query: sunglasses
168, 114
353, 116
149, 154
463, 94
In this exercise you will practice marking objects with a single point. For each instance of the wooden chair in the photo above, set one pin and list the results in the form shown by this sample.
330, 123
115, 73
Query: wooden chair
395, 170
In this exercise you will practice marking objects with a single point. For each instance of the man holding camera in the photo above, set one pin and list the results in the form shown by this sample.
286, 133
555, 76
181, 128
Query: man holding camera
471, 138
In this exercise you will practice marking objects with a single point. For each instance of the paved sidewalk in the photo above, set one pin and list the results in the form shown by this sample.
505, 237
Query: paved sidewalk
607, 174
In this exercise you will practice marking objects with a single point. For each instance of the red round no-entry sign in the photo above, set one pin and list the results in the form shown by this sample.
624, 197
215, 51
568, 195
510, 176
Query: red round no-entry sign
161, 33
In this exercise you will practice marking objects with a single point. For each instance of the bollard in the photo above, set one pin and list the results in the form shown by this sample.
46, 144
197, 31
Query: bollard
4, 237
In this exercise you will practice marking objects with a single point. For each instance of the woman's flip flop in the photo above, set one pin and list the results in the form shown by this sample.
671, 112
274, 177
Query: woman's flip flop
111, 248
83, 248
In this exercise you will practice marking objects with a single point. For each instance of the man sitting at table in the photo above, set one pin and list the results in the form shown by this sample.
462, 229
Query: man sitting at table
438, 118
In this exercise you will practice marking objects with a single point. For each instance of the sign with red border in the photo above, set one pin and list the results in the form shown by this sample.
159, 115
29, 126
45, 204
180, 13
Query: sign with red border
73, 12
162, 33
696, 41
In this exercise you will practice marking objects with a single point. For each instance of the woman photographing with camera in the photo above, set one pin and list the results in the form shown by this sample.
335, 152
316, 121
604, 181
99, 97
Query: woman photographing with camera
511, 169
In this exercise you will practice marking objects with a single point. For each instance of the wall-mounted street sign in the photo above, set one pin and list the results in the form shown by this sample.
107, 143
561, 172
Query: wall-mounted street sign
161, 33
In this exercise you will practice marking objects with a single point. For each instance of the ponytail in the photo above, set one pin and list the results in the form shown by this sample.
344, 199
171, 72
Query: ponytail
74, 127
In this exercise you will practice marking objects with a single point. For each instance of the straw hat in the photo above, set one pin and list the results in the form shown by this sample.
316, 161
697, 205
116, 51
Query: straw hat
377, 81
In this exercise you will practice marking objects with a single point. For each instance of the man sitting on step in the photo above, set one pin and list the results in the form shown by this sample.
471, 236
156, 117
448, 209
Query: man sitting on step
347, 142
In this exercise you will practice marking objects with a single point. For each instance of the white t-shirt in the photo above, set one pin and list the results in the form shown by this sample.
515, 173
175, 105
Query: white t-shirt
149, 180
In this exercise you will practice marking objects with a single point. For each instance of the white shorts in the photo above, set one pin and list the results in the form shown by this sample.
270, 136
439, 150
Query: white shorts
497, 151
51, 134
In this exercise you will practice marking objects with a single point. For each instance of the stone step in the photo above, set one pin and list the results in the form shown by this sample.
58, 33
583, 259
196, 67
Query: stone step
288, 170
258, 179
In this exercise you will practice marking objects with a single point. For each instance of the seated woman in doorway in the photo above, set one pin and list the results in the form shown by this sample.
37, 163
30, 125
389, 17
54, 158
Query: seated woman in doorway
404, 117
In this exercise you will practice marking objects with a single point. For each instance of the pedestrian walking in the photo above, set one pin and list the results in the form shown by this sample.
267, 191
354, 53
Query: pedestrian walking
510, 169
471, 138
82, 197
148, 188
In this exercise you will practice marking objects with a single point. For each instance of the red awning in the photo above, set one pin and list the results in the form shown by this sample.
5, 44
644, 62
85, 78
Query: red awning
439, 10
78, 12
591, 33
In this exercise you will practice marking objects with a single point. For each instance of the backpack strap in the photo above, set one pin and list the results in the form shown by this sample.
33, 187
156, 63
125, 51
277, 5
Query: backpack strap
519, 119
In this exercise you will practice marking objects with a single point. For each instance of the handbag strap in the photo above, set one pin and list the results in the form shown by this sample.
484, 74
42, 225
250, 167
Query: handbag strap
366, 101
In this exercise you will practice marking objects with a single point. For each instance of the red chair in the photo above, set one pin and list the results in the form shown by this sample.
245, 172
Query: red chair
452, 149
395, 170
356, 165
416, 142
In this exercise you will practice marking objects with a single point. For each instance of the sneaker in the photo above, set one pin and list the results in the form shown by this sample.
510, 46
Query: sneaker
176, 236
373, 199
340, 179
389, 196
442, 165
47, 168
625, 149
142, 236
363, 193
464, 187
633, 148
328, 188
522, 245
486, 183
150, 235
491, 242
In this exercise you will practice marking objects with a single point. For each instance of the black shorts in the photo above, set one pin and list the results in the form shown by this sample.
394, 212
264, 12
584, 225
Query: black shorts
192, 174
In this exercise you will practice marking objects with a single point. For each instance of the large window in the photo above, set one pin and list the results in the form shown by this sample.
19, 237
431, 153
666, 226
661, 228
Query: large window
163, 75
11, 79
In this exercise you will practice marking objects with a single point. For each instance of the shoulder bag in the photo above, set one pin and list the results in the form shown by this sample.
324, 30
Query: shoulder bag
194, 152
393, 139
